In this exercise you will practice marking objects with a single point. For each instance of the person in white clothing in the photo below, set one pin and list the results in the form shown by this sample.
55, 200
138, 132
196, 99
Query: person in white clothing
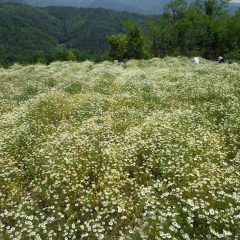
221, 59
195, 60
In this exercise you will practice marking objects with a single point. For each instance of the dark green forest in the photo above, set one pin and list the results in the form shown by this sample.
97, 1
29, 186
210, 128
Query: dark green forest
31, 34
204, 28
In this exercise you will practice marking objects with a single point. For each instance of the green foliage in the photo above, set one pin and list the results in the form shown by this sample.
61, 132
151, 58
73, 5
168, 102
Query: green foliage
202, 28
42, 35
119, 46
135, 41
26, 31
71, 56
129, 45
234, 55
176, 8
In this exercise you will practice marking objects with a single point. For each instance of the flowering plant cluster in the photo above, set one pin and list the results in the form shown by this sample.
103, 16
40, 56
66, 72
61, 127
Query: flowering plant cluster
135, 150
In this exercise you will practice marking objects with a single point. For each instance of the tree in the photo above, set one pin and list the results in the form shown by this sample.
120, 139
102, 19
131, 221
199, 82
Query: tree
215, 17
170, 33
71, 56
119, 46
198, 28
231, 38
135, 41
162, 34
41, 59
215, 7
127, 45
176, 8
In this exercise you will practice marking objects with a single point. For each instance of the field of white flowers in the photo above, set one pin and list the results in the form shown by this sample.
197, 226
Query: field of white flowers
136, 150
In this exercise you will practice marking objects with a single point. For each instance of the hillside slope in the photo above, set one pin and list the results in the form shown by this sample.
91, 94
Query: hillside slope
143, 149
87, 29
26, 31
137, 6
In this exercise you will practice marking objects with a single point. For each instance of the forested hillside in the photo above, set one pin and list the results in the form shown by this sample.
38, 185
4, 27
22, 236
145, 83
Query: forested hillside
31, 34
28, 32
137, 6
87, 29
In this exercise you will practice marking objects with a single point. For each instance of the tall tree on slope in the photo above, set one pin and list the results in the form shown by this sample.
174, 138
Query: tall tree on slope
213, 8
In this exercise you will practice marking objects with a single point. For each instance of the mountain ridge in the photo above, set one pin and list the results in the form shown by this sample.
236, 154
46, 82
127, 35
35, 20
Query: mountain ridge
150, 7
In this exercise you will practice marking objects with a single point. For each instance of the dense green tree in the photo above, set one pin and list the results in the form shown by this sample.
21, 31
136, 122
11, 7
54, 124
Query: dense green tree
129, 45
215, 7
119, 46
176, 8
135, 46
215, 17
231, 37
201, 28
71, 56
